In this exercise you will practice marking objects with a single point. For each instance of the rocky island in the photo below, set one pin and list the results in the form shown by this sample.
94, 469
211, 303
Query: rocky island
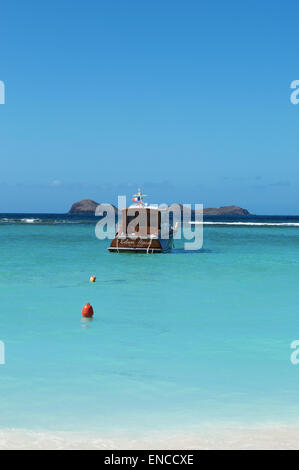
226, 210
85, 206
88, 206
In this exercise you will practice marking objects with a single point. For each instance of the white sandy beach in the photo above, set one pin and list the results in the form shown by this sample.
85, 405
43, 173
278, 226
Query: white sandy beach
274, 437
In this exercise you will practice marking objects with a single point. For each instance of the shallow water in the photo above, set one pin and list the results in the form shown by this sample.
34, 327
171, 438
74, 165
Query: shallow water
178, 340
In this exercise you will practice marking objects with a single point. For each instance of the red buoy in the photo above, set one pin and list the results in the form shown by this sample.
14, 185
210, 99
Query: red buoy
87, 311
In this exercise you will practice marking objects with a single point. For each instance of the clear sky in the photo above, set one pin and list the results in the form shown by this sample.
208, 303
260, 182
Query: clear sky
188, 99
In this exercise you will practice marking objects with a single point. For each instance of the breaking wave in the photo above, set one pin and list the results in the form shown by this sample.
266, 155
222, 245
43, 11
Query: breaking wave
254, 224
90, 219
22, 221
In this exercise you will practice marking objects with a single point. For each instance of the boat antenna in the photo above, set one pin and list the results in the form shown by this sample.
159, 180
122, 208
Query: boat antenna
138, 198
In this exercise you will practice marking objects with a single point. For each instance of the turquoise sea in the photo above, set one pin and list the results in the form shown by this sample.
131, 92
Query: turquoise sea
178, 340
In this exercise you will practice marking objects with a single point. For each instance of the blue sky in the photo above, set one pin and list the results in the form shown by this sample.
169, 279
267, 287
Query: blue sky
190, 100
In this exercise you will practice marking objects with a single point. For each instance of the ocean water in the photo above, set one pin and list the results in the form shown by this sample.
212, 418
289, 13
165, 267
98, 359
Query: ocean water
179, 341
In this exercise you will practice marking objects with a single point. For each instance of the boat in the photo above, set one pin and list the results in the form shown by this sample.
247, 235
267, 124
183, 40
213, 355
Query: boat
143, 229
